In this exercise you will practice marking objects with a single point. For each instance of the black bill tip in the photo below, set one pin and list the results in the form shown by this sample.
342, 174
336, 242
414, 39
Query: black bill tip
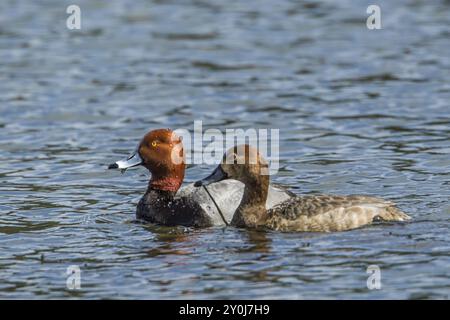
113, 166
217, 175
198, 183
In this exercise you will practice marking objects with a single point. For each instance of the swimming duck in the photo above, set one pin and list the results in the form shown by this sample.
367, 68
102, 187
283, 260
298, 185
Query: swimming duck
321, 213
161, 152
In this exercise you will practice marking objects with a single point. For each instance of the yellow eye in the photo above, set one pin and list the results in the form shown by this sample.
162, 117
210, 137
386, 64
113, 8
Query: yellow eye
154, 144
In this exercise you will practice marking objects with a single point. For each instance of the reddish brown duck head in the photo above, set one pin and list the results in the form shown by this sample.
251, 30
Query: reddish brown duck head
161, 152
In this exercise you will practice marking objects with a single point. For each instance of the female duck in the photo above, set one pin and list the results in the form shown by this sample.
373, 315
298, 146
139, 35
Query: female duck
161, 152
322, 213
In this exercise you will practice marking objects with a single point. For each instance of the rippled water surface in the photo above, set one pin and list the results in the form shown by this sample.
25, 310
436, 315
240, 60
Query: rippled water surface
359, 111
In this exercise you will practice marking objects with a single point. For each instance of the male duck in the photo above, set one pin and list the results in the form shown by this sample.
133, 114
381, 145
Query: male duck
321, 213
161, 152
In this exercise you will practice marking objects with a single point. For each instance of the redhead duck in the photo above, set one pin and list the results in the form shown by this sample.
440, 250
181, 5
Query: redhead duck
321, 213
164, 202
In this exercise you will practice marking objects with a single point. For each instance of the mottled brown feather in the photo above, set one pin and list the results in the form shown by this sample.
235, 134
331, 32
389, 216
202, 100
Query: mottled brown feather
327, 213
321, 213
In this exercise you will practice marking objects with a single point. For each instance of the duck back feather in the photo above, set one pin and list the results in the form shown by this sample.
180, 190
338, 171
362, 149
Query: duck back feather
327, 213
193, 206
227, 194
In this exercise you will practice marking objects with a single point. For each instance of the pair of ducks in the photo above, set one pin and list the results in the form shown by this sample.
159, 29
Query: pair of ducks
239, 193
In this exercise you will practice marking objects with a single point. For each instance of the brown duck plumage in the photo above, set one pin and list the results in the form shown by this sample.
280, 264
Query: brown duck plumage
161, 152
321, 213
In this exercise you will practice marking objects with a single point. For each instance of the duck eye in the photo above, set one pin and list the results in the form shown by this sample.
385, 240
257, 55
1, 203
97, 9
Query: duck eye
154, 144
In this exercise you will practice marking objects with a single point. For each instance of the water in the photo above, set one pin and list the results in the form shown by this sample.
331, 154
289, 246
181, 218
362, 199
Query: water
359, 111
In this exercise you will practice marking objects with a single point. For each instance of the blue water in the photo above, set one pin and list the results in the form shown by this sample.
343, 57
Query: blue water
359, 111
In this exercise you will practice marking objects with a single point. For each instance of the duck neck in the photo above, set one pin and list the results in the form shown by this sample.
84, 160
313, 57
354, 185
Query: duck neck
165, 185
252, 209
158, 194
